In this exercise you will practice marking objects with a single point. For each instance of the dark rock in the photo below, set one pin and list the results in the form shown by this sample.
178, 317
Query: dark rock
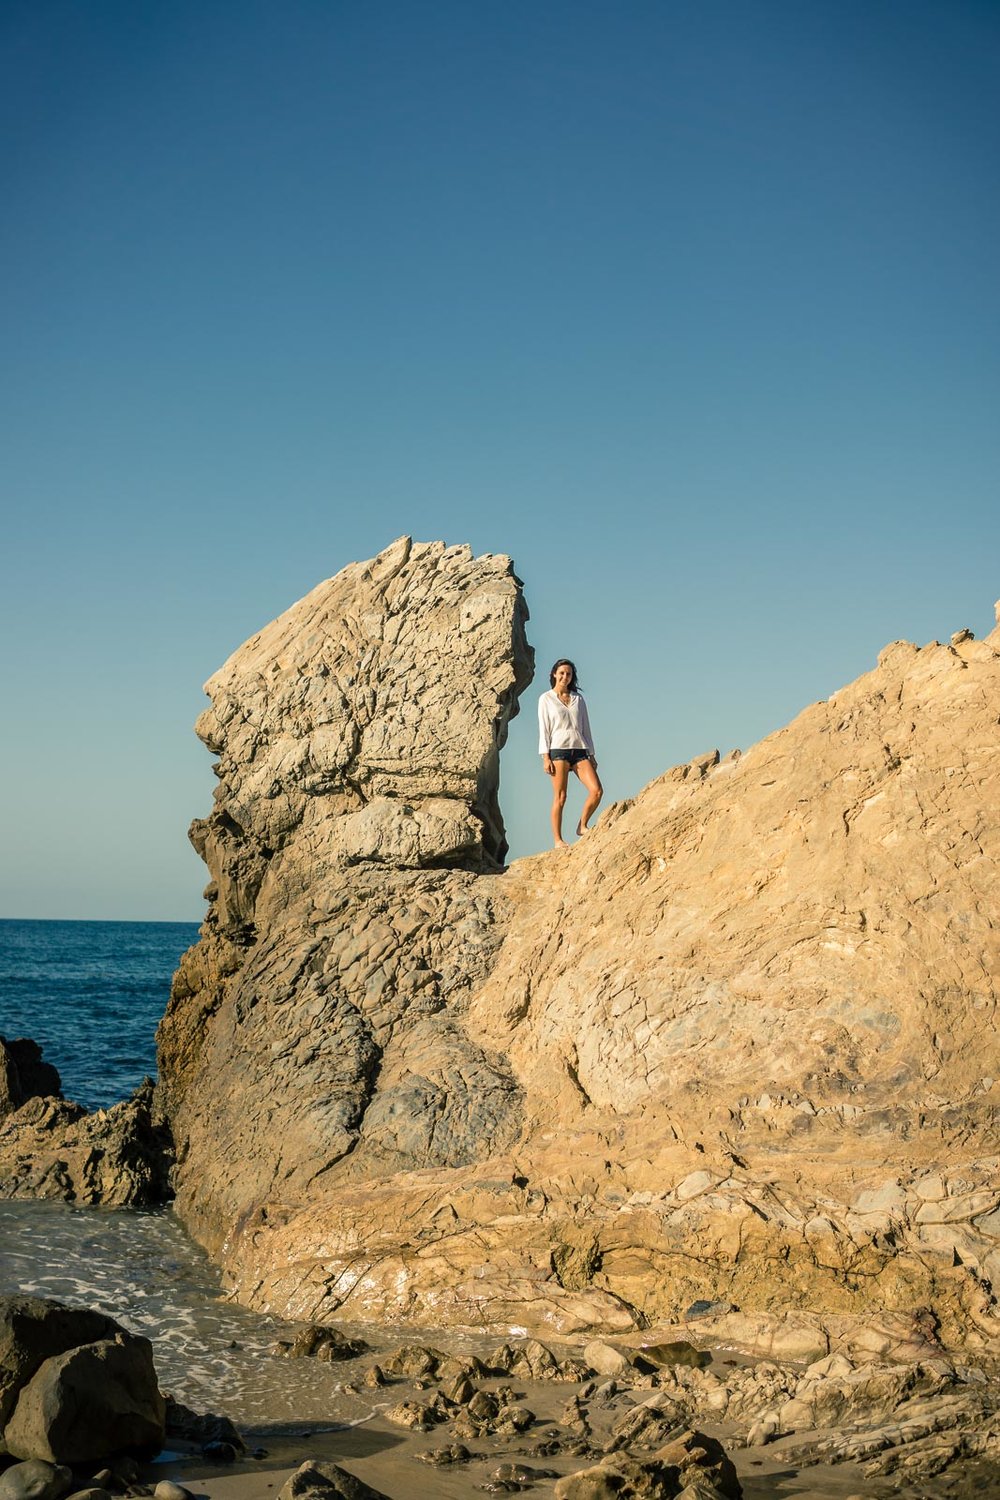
24, 1076
321, 1342
35, 1480
522, 1473
546, 1449
199, 1428
662, 1356
32, 1330
455, 1453
92, 1401
219, 1452
124, 1470
314, 1480
483, 1407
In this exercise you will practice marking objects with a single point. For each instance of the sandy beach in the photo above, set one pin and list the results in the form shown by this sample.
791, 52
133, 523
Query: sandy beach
387, 1456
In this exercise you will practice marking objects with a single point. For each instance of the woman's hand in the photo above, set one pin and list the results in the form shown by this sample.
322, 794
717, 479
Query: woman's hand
547, 766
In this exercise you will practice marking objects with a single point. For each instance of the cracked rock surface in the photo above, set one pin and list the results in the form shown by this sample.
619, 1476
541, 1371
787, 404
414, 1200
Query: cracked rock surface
316, 1034
734, 1052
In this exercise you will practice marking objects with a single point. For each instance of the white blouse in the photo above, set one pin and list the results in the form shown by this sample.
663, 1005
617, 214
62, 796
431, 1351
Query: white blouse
563, 726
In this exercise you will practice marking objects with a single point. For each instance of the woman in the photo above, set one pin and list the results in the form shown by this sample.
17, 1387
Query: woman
566, 744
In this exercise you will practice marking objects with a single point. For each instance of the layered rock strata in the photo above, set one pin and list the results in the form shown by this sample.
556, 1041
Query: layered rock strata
737, 1047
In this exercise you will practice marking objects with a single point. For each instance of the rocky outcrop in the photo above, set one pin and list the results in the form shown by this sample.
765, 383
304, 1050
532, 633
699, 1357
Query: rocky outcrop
51, 1148
736, 1048
355, 902
24, 1075
692, 1466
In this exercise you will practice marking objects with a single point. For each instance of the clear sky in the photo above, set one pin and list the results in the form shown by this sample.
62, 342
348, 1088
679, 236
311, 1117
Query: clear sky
689, 307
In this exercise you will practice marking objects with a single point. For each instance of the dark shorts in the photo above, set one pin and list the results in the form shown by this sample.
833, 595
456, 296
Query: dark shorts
572, 756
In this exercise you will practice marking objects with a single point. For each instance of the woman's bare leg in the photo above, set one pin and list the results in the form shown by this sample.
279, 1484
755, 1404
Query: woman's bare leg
560, 776
588, 775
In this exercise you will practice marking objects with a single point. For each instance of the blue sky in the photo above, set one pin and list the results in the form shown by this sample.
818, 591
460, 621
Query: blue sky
689, 307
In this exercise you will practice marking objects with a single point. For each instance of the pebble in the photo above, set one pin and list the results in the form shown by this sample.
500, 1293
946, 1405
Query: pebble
167, 1490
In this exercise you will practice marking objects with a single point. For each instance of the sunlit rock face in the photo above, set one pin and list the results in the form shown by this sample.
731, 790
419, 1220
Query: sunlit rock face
736, 1049
353, 852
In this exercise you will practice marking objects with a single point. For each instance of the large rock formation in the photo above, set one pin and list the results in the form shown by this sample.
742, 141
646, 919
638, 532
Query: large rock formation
317, 1028
736, 1048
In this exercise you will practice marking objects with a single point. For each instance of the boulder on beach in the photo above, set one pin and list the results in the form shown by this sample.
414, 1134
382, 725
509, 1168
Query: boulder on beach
34, 1479
316, 1480
74, 1385
692, 1466
34, 1329
89, 1403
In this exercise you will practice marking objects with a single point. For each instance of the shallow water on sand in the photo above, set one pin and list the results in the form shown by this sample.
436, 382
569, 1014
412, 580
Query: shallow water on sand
141, 1267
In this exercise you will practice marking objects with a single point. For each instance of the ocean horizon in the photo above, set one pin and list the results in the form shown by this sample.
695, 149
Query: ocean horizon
91, 993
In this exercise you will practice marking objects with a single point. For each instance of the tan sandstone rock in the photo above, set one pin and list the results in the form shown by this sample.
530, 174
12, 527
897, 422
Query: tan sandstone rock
355, 899
738, 1046
118, 1157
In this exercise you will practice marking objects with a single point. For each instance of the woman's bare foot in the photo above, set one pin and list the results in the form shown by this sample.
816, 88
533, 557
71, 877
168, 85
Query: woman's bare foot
581, 829
562, 844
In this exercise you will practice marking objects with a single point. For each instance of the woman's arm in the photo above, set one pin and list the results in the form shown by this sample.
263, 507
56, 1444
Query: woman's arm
545, 736
585, 730
544, 727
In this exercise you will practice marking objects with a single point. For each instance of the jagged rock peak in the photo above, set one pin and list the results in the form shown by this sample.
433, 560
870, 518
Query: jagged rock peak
364, 725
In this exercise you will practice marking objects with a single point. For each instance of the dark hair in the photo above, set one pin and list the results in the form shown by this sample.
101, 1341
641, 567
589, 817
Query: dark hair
564, 661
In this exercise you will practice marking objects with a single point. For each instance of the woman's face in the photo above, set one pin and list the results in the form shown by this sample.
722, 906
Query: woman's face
564, 676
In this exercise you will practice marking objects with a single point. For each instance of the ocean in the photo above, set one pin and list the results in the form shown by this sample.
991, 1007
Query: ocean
91, 994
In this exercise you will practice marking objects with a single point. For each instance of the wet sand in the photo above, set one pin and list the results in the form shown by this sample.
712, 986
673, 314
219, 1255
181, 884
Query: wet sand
385, 1455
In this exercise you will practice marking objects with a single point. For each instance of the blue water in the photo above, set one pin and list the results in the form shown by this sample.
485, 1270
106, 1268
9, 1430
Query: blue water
91, 994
